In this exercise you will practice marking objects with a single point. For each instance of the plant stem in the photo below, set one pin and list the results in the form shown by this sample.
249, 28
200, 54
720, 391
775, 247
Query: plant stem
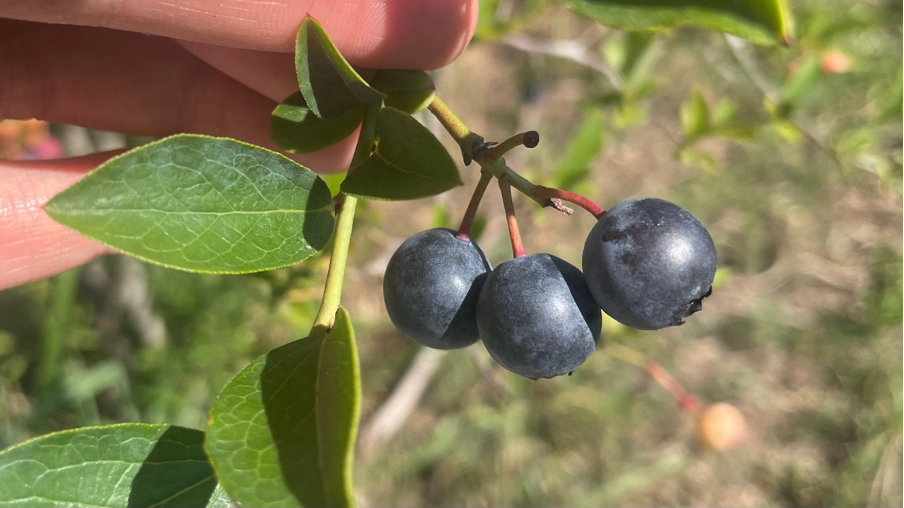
466, 139
464, 231
366, 137
686, 400
332, 291
506, 189
550, 193
528, 139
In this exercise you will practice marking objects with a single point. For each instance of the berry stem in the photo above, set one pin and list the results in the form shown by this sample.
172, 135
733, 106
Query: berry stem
550, 193
528, 139
464, 231
469, 142
332, 291
686, 400
506, 189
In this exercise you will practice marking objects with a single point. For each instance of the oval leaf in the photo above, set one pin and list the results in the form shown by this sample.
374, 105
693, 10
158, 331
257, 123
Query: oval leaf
283, 430
762, 21
408, 162
408, 91
131, 464
201, 204
295, 129
329, 84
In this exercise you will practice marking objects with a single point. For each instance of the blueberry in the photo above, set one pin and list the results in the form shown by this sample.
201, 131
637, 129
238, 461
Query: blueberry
431, 287
649, 263
536, 316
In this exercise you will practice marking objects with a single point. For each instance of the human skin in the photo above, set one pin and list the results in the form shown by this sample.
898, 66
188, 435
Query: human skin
154, 67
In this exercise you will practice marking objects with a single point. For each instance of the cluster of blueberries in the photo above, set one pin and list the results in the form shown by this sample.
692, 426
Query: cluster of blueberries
648, 263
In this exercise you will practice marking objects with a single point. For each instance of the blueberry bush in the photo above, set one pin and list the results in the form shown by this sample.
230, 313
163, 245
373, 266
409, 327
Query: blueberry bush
283, 431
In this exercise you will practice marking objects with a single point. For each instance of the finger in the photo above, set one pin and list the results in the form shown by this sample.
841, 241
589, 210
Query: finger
32, 245
377, 33
131, 83
270, 74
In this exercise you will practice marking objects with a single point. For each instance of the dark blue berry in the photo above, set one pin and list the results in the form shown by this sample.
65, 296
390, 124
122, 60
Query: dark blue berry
536, 316
649, 263
431, 287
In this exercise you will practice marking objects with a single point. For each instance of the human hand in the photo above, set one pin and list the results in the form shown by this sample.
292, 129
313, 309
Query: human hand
209, 67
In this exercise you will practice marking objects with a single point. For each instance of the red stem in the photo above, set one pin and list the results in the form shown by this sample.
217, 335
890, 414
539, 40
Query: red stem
550, 193
686, 400
506, 188
464, 231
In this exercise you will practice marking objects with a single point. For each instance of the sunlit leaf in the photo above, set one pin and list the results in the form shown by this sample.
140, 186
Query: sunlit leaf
408, 91
201, 204
129, 464
795, 89
408, 162
328, 83
282, 432
695, 116
763, 21
294, 128
585, 145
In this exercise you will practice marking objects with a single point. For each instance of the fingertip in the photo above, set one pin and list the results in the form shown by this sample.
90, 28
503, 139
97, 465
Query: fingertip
412, 34
32, 245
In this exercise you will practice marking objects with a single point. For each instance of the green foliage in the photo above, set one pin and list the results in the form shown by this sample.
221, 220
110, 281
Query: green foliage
496, 17
296, 129
201, 204
797, 87
408, 91
283, 431
129, 464
695, 116
762, 21
328, 83
585, 145
407, 162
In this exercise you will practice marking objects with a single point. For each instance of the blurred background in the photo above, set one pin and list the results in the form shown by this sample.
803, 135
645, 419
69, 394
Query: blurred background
792, 158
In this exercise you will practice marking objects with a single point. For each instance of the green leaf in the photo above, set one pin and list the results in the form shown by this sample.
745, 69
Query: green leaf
130, 464
282, 432
201, 204
408, 91
585, 145
695, 116
724, 114
408, 162
795, 89
295, 129
762, 21
329, 84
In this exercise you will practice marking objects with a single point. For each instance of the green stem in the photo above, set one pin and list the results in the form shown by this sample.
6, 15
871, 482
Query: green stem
366, 138
466, 139
332, 292
493, 165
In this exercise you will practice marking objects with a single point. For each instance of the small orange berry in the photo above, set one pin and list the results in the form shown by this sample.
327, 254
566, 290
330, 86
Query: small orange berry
834, 62
721, 426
